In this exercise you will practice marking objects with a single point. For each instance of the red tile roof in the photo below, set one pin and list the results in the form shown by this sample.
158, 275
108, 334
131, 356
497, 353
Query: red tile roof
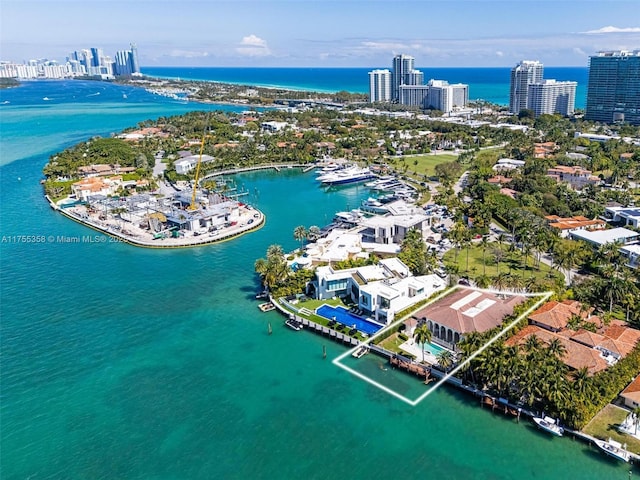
556, 315
577, 355
467, 310
632, 392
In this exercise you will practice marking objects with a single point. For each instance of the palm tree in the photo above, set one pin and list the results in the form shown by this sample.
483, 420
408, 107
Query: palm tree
501, 281
445, 359
422, 335
273, 269
556, 348
581, 382
300, 234
498, 255
484, 244
314, 232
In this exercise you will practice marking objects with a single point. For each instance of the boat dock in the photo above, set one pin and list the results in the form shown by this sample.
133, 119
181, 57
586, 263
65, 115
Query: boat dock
270, 166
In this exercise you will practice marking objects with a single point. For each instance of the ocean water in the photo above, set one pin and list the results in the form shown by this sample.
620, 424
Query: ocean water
120, 362
490, 84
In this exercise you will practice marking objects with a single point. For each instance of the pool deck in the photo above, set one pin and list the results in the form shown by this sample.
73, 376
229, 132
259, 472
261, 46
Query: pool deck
410, 346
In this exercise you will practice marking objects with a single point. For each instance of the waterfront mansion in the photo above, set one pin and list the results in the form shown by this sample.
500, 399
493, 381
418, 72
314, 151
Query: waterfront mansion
378, 291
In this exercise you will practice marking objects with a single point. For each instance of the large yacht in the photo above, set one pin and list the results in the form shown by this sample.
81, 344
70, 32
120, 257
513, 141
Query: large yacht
351, 174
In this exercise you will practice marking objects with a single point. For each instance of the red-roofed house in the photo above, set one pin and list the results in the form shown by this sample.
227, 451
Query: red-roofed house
567, 225
577, 177
577, 355
554, 316
465, 311
631, 394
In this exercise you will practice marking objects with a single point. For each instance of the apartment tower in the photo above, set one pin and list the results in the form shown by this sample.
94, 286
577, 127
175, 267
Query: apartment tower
613, 91
523, 75
379, 86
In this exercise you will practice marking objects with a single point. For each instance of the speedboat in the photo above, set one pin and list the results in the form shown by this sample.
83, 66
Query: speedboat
550, 425
293, 323
613, 449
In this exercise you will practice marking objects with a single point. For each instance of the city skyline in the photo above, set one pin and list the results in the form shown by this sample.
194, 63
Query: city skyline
337, 34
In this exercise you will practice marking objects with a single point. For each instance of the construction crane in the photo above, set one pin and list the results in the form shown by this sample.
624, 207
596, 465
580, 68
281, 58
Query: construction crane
195, 183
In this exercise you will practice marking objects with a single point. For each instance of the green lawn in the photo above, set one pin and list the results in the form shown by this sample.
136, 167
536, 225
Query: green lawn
312, 304
603, 426
512, 262
392, 343
426, 163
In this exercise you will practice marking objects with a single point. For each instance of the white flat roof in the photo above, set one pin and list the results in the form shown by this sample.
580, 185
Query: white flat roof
635, 248
381, 247
602, 237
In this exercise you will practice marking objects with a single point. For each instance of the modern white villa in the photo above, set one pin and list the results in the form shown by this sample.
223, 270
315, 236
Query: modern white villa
379, 291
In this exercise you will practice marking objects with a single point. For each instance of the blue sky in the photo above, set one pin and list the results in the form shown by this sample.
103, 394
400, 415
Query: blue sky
323, 33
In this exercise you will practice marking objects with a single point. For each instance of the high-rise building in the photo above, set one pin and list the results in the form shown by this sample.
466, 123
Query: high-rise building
135, 66
380, 86
414, 95
403, 74
96, 57
122, 64
552, 97
445, 97
613, 91
522, 75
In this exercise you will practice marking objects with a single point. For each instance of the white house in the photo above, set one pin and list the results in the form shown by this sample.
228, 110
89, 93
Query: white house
598, 238
508, 164
273, 126
379, 291
623, 215
186, 164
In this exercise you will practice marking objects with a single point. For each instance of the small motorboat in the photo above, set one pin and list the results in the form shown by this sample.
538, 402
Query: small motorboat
266, 307
550, 425
293, 323
613, 449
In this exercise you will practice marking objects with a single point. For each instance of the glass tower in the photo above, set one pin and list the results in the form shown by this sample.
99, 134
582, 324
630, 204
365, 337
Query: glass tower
613, 91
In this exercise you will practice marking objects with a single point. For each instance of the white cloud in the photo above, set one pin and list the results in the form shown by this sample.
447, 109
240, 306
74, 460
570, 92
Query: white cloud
187, 53
612, 29
579, 51
499, 54
253, 46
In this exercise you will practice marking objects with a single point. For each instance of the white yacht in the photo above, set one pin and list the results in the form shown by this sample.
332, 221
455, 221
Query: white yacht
351, 174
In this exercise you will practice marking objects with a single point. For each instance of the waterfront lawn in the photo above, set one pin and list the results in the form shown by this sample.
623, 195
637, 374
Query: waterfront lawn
604, 424
392, 343
312, 304
512, 262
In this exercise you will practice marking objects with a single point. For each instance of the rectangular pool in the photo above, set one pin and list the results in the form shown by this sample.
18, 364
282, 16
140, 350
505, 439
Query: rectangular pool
344, 316
433, 349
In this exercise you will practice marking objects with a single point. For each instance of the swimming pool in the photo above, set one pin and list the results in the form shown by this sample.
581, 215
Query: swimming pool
433, 349
344, 316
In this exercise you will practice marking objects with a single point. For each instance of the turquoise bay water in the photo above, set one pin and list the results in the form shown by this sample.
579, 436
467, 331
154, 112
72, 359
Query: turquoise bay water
118, 362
